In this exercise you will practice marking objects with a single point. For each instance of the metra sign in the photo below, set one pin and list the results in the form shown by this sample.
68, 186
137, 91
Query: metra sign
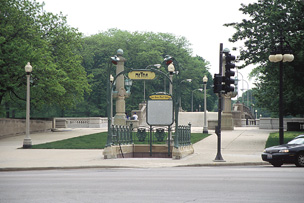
141, 75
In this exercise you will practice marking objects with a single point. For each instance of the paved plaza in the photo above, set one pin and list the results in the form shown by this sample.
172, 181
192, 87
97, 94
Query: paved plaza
241, 146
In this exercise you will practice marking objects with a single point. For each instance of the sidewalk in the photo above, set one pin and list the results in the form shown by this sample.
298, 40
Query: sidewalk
242, 146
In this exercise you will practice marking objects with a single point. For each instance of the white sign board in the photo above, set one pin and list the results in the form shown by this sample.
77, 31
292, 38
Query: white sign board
160, 112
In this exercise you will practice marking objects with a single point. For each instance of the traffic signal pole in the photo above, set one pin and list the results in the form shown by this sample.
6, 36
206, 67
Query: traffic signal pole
219, 157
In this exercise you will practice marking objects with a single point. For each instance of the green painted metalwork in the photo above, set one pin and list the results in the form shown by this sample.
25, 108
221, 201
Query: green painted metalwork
121, 135
141, 134
160, 134
110, 89
184, 136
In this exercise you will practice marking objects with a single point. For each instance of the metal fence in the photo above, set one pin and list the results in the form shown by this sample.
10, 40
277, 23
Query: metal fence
156, 135
123, 135
183, 136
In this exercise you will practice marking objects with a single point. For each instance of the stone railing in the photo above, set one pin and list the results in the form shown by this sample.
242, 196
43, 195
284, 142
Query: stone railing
11, 127
273, 123
250, 122
86, 122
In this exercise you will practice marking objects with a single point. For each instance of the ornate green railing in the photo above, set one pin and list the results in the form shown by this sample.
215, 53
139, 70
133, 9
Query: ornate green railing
183, 136
123, 135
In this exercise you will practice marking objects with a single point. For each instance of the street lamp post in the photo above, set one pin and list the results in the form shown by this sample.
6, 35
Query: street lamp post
110, 80
243, 89
256, 116
27, 142
205, 129
281, 55
192, 98
171, 69
111, 97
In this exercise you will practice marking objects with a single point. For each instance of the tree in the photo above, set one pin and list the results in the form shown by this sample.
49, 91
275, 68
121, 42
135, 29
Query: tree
140, 49
268, 19
28, 34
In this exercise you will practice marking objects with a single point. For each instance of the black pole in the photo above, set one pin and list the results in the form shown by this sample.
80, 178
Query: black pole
150, 141
169, 141
281, 125
218, 127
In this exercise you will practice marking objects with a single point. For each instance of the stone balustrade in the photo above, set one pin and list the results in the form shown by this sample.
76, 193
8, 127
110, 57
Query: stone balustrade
85, 122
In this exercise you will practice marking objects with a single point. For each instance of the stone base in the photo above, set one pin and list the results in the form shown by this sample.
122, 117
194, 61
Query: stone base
27, 143
120, 119
181, 152
114, 152
227, 121
143, 151
212, 124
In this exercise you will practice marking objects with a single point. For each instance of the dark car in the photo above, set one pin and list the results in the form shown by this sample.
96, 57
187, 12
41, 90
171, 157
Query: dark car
292, 152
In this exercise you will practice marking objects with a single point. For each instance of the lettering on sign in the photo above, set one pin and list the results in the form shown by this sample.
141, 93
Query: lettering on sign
141, 75
160, 97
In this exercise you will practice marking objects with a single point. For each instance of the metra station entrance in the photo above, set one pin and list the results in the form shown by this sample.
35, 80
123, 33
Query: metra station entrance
164, 138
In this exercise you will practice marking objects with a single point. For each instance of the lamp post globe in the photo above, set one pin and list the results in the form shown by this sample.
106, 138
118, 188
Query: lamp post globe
278, 57
28, 68
171, 68
119, 52
205, 79
271, 58
288, 57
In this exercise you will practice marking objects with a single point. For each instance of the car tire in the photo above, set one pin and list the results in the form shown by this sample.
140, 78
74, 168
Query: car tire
300, 160
276, 164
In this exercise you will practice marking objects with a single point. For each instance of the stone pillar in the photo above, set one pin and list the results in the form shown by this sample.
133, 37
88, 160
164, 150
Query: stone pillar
120, 116
227, 120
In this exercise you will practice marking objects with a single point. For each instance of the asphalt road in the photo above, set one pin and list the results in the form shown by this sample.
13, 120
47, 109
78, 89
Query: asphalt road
196, 184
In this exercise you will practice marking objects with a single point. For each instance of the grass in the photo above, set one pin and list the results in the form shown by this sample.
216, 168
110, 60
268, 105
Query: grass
96, 141
92, 141
273, 138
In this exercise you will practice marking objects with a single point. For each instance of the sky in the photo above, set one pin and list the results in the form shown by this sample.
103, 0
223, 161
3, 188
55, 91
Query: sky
199, 21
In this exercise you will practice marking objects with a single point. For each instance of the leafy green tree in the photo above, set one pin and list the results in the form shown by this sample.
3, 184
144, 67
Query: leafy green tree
27, 33
140, 49
260, 34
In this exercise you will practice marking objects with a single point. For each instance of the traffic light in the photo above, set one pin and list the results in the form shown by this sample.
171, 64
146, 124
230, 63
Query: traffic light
229, 73
217, 83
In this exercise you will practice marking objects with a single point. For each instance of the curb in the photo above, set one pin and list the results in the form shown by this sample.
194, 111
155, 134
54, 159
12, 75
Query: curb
129, 167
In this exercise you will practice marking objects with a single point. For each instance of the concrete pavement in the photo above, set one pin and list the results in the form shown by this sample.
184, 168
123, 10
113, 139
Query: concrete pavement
242, 146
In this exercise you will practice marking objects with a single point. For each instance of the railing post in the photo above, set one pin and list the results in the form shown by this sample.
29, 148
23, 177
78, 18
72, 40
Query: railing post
169, 141
176, 137
130, 133
189, 133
